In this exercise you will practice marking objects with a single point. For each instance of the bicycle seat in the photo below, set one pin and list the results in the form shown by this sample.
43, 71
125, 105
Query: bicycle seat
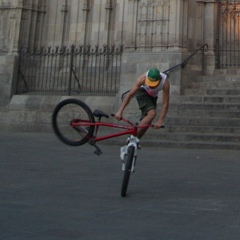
99, 113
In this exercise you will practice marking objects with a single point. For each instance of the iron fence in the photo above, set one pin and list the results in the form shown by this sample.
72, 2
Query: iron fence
228, 34
70, 70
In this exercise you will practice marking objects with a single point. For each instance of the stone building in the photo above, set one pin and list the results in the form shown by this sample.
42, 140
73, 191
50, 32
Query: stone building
154, 33
158, 33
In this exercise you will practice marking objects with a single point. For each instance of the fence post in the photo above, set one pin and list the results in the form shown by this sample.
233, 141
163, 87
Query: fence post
18, 70
204, 49
71, 69
19, 74
217, 61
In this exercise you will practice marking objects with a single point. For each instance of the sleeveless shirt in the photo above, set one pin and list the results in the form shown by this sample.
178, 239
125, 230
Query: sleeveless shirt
154, 91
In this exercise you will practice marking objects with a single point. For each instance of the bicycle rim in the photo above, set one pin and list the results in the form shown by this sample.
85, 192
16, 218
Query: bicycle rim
67, 112
127, 172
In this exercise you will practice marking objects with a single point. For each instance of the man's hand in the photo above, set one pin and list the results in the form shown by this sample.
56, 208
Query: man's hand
118, 116
158, 125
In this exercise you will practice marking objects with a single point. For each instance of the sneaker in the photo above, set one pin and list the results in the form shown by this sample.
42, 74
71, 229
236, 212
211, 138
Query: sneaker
138, 142
123, 152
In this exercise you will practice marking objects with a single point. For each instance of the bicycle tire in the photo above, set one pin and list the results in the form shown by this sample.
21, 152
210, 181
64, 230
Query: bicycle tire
64, 114
127, 171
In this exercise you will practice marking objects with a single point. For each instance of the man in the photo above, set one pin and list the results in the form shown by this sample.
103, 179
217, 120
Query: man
146, 90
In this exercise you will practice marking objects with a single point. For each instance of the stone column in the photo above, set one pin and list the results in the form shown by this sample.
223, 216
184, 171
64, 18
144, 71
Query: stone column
74, 25
10, 16
86, 13
129, 18
10, 27
209, 35
209, 24
176, 24
108, 21
40, 24
33, 24
64, 11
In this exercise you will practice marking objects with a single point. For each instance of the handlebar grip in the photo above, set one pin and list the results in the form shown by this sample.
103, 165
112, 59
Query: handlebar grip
113, 115
152, 125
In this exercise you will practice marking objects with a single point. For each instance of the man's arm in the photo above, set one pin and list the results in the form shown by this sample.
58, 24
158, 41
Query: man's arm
165, 104
140, 81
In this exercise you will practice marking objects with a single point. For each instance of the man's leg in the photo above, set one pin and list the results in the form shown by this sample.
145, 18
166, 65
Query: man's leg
147, 120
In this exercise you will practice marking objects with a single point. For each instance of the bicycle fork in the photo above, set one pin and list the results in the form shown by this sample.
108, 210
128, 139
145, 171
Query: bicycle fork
132, 141
133, 164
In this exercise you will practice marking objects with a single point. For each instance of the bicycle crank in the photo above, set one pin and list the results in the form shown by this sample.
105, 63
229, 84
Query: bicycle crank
98, 151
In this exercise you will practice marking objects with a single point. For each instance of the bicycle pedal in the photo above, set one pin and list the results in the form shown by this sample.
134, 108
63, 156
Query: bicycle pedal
98, 152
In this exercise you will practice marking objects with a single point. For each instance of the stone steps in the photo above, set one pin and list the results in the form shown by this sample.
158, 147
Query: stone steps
206, 106
205, 110
206, 116
204, 129
221, 83
202, 121
215, 114
192, 145
196, 136
206, 137
216, 98
227, 91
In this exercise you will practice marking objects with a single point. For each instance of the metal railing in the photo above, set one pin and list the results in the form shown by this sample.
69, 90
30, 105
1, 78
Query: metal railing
228, 34
70, 70
203, 48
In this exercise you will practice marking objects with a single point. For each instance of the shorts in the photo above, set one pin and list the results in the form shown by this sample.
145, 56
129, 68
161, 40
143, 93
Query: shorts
145, 101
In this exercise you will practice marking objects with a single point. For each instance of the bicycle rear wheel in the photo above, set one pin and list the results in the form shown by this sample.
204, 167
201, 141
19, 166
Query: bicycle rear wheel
69, 112
127, 171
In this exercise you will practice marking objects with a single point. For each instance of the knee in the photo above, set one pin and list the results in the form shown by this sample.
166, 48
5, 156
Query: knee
152, 114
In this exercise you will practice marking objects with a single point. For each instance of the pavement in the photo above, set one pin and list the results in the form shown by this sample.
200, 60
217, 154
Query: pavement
52, 191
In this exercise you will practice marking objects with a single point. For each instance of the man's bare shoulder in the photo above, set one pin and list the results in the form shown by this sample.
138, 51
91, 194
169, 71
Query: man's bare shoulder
166, 86
141, 79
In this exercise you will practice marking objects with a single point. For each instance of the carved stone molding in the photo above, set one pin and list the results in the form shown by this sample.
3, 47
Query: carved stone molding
13, 15
64, 8
153, 23
86, 5
109, 5
207, 1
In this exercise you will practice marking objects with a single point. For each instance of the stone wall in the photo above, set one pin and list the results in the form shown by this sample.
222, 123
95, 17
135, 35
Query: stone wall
150, 25
158, 33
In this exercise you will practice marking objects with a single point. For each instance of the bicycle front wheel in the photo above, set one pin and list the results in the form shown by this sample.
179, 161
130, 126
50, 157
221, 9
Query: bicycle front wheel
65, 119
127, 171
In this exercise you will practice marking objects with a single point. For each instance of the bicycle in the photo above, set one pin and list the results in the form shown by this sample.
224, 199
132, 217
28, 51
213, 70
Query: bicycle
74, 124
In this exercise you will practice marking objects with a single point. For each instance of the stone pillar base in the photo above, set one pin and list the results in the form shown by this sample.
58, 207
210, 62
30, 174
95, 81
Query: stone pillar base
8, 74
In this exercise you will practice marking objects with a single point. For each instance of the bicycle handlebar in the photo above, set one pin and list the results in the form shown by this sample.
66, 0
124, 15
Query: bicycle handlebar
142, 126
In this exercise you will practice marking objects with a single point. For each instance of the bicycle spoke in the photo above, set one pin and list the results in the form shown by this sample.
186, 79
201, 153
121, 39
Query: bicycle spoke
65, 119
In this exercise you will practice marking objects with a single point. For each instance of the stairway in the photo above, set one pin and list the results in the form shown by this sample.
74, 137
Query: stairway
206, 116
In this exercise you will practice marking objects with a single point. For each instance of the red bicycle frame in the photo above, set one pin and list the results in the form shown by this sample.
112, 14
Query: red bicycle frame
131, 130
